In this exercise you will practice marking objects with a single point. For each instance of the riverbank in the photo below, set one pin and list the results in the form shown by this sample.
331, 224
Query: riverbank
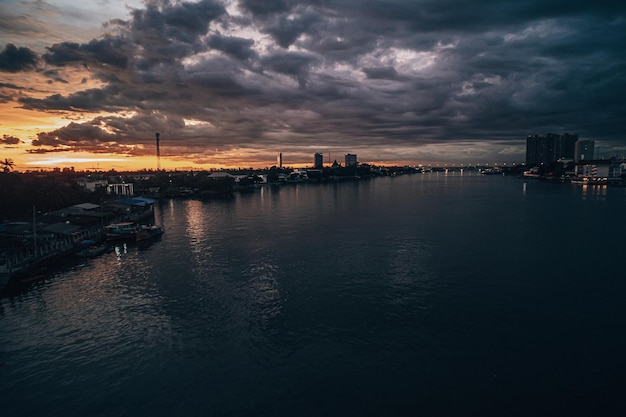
26, 247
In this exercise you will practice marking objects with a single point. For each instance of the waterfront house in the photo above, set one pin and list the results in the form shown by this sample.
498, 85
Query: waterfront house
601, 169
127, 189
92, 184
133, 209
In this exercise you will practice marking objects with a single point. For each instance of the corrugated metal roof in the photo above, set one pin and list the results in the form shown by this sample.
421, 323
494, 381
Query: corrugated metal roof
136, 201
61, 228
86, 206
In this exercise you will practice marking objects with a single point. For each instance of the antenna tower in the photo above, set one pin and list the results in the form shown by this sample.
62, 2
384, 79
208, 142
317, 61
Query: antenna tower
158, 149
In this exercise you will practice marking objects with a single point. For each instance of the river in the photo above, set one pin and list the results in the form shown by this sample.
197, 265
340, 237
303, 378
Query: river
431, 294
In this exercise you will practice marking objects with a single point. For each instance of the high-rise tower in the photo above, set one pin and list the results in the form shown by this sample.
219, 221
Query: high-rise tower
584, 150
550, 147
318, 161
158, 152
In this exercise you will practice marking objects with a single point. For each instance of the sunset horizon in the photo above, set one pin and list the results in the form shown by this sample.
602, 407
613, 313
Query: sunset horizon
232, 83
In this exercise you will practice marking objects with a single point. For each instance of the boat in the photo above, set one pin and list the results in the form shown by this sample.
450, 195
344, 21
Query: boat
589, 181
91, 251
148, 232
90, 248
121, 231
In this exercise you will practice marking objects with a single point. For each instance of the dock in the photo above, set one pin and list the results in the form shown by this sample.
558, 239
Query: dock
28, 246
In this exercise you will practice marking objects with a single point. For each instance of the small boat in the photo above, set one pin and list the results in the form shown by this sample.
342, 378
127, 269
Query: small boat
589, 181
121, 231
148, 232
90, 249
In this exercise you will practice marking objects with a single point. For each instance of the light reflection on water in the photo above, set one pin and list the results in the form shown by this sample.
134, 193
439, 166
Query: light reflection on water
385, 297
593, 192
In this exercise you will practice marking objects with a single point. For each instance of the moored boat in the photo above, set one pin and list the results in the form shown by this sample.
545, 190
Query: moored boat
148, 232
590, 181
89, 249
121, 231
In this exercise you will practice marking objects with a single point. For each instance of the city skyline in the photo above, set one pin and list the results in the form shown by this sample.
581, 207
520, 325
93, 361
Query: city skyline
233, 83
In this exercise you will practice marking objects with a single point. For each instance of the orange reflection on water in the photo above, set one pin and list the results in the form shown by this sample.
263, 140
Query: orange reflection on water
594, 192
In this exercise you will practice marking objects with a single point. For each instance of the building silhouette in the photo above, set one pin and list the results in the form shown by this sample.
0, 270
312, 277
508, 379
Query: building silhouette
567, 145
350, 160
584, 150
549, 148
279, 160
536, 150
318, 162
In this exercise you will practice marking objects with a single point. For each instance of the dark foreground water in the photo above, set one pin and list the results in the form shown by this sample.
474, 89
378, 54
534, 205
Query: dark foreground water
424, 295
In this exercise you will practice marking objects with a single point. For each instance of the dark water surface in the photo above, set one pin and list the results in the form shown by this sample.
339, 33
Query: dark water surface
424, 295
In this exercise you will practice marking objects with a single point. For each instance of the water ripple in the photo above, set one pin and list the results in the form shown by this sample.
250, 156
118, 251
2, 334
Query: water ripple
376, 297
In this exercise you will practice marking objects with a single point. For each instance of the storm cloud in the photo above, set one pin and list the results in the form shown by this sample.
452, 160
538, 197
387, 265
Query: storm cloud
388, 79
9, 140
14, 59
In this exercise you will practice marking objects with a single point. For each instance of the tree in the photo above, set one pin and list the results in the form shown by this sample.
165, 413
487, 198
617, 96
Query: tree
7, 165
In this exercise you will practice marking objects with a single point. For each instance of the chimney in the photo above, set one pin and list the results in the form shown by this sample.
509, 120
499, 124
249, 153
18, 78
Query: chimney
158, 152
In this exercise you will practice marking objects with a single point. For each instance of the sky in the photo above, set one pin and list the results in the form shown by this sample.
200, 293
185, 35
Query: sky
232, 83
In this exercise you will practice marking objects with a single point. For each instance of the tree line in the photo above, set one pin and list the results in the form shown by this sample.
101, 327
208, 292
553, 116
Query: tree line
20, 193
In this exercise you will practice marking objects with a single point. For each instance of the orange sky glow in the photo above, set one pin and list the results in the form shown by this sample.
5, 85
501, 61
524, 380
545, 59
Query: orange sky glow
231, 83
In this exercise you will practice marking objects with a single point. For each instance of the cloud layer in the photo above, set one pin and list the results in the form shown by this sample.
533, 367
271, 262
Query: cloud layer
391, 80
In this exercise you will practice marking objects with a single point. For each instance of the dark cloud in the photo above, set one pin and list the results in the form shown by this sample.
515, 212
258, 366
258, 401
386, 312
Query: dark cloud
54, 76
92, 100
14, 59
9, 92
381, 72
376, 75
294, 64
285, 30
9, 140
264, 7
239, 48
133, 136
44, 151
73, 135
108, 51
163, 21
456, 16
191, 17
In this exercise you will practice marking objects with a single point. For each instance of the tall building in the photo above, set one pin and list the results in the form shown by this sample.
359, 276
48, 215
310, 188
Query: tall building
279, 160
351, 160
550, 148
318, 162
584, 150
568, 145
536, 150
